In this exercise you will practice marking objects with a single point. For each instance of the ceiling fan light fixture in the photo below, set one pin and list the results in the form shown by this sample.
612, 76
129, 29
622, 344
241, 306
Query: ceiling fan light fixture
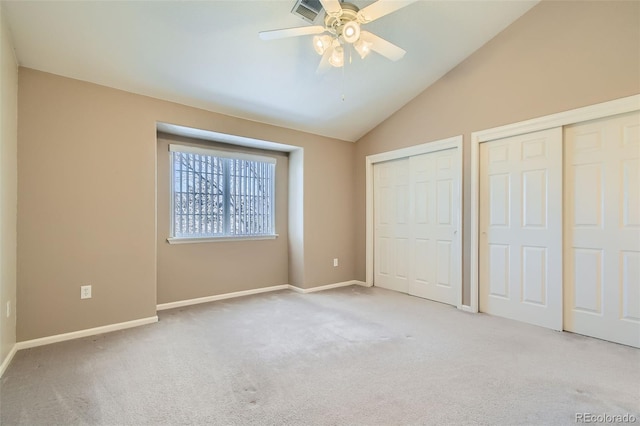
351, 32
363, 47
342, 27
321, 43
337, 57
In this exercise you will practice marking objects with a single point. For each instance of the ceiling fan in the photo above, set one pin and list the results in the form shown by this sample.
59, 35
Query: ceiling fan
342, 28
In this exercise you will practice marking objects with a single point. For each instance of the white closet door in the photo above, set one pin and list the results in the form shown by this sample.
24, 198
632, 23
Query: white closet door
520, 259
434, 206
602, 229
392, 229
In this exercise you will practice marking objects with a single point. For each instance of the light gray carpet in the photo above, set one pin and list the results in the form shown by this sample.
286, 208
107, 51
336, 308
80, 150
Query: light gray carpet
349, 356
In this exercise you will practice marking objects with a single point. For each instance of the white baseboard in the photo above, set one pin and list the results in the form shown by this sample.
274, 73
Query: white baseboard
181, 303
84, 333
467, 308
7, 360
325, 287
188, 302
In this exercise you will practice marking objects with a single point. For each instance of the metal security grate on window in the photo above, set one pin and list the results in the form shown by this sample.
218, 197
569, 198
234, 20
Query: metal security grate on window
250, 197
221, 194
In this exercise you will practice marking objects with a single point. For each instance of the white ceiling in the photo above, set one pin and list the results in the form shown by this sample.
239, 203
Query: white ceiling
207, 54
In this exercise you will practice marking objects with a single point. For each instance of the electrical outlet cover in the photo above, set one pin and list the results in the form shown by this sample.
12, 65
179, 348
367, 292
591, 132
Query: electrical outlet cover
85, 292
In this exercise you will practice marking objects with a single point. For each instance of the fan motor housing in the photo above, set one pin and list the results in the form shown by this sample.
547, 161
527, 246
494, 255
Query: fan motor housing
335, 23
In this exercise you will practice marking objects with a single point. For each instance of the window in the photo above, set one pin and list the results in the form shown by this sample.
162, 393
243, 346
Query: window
219, 194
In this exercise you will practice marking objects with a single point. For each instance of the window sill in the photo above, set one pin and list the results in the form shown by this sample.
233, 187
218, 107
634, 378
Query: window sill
182, 240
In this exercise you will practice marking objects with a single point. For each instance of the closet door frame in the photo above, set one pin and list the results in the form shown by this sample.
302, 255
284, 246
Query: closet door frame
440, 145
592, 112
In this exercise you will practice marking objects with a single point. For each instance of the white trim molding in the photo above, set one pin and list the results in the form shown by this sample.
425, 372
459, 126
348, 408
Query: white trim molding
326, 287
7, 360
85, 333
225, 239
578, 115
206, 299
371, 160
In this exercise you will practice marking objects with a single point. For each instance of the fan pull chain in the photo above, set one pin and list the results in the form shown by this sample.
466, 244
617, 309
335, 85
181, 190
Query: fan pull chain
343, 85
344, 78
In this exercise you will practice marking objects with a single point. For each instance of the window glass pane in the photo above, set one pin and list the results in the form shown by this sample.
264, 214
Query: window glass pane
250, 197
221, 196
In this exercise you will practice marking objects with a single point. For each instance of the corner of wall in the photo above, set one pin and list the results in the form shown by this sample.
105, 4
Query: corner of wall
8, 193
296, 217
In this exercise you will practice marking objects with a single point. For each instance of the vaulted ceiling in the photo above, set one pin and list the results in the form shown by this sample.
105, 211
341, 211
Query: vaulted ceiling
207, 54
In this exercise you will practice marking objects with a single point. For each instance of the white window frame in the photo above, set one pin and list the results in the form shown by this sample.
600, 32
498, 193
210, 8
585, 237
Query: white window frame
220, 154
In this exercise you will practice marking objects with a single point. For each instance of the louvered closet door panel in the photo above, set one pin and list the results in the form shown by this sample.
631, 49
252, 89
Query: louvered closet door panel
392, 260
602, 229
520, 263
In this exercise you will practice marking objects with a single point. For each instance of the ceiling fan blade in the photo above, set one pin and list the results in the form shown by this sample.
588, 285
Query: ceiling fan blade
381, 8
383, 47
291, 32
324, 62
332, 7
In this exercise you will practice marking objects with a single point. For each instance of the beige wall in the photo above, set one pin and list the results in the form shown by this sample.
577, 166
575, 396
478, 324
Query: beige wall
87, 203
558, 56
188, 271
8, 187
329, 233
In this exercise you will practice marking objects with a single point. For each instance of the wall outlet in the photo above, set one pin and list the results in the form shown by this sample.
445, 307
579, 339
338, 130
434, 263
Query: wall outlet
8, 308
335, 262
85, 292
